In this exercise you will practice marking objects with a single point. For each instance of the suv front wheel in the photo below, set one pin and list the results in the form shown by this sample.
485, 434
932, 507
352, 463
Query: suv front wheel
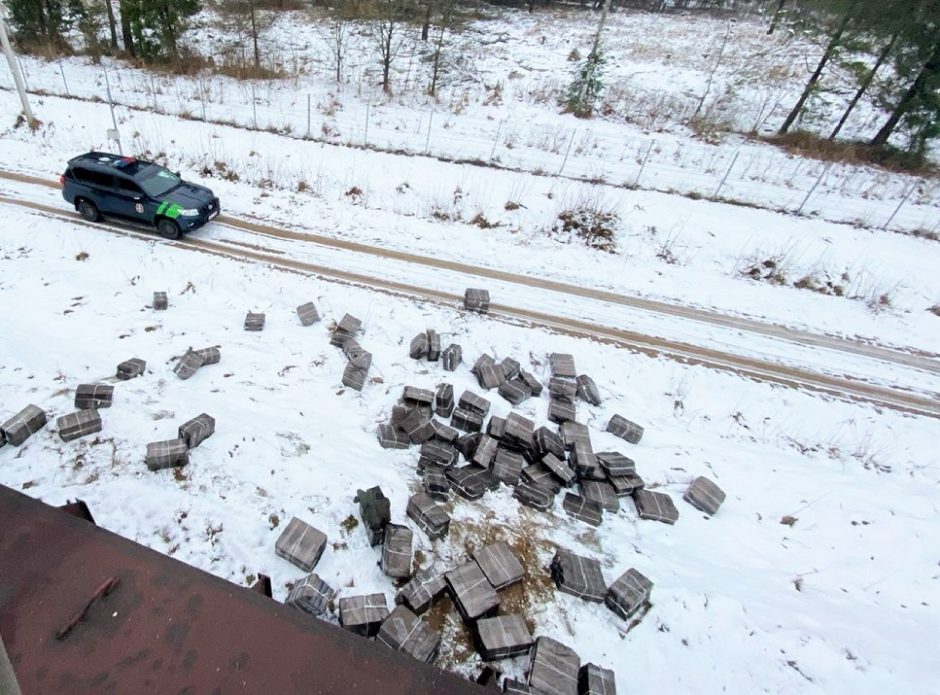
168, 229
89, 210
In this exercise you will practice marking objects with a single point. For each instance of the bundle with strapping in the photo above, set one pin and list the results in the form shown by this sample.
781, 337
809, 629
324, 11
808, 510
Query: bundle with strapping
631, 590
301, 544
579, 576
78, 424
548, 442
363, 615
515, 391
485, 451
625, 485
501, 567
451, 357
507, 466
476, 300
503, 637
519, 432
489, 375
467, 420
562, 389
23, 425
254, 322
444, 400
422, 591
472, 592
428, 515
554, 668
588, 511
562, 365
188, 364
560, 411
345, 329
311, 595
655, 506
616, 464
418, 348
308, 314
376, 513
390, 437
625, 429
436, 484
396, 551
594, 680
194, 432
559, 468
705, 495
496, 427
437, 453
209, 355
167, 454
540, 476
96, 396
405, 632
534, 496
602, 492
471, 482
128, 369
585, 463
533, 384
160, 302
588, 391
444, 433
434, 346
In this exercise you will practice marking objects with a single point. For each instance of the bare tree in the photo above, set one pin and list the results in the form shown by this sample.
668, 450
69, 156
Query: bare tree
389, 31
247, 21
447, 9
337, 34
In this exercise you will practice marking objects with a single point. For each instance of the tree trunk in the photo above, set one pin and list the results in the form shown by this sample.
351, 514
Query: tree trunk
387, 59
126, 32
169, 32
112, 24
776, 17
254, 34
931, 66
866, 83
830, 49
426, 26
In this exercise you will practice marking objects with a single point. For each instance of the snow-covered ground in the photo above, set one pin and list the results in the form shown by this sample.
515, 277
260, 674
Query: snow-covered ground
831, 603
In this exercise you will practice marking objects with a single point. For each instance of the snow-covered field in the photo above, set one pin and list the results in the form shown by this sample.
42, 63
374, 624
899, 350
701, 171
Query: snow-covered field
842, 599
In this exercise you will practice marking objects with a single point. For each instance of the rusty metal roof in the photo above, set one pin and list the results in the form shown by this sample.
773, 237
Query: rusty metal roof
83, 610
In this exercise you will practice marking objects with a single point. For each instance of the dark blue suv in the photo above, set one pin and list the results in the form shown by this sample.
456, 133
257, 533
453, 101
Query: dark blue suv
100, 184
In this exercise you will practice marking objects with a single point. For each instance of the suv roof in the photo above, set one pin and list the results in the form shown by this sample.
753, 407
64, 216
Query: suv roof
104, 161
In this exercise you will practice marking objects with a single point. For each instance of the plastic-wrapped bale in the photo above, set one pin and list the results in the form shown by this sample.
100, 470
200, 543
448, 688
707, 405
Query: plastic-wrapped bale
188, 364
561, 411
476, 300
194, 432
562, 389
562, 364
501, 567
418, 349
623, 428
554, 668
436, 484
128, 369
513, 687
625, 485
548, 442
354, 377
510, 367
424, 433
435, 453
78, 424
704, 495
616, 464
160, 302
470, 482
515, 391
467, 444
396, 551
602, 492
489, 375
209, 355
588, 391
485, 451
472, 592
507, 466
451, 357
503, 637
496, 427
301, 544
308, 314
363, 615
594, 680
390, 437
519, 432
23, 425
356, 354
412, 396
631, 590
534, 496
428, 515
434, 346
527, 378
412, 424
311, 595
583, 510
444, 433
422, 591
538, 475
655, 506
172, 453
347, 328
474, 403
254, 322
559, 468
573, 433
375, 511
405, 632
444, 400
579, 576
467, 420
585, 463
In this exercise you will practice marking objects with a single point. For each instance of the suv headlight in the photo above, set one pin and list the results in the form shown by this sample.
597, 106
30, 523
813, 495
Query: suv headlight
190, 212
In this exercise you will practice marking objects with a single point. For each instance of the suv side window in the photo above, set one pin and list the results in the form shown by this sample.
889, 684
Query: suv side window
127, 186
95, 178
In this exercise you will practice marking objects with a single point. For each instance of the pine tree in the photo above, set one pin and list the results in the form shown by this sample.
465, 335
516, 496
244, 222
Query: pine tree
156, 26
588, 84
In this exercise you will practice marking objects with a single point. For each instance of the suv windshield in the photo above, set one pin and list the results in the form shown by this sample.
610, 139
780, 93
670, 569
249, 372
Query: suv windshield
156, 181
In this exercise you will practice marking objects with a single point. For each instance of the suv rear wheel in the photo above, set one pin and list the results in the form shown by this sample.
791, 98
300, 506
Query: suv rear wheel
89, 210
168, 229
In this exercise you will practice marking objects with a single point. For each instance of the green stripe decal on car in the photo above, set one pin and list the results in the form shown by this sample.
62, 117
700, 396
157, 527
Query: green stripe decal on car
171, 210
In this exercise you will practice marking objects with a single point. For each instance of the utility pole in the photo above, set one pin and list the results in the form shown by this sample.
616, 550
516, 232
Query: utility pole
15, 69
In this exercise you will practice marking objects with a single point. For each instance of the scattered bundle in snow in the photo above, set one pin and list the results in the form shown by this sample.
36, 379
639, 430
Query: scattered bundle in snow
540, 476
615, 464
588, 511
390, 437
515, 391
533, 384
444, 400
499, 564
444, 433
130, 368
396, 551
489, 374
559, 469
308, 314
436, 484
485, 451
405, 632
623, 428
473, 403
628, 593
414, 397
254, 322
424, 589
209, 355
561, 411
594, 680
188, 364
562, 389
534, 495
507, 467
588, 391
311, 594
585, 463
467, 420
472, 592
418, 349
602, 492
554, 668
519, 432
471, 481
160, 302
434, 346
562, 365
167, 454
548, 442
496, 427
375, 511
655, 506
436, 453
358, 357
625, 485
301, 544
451, 357
579, 576
78, 424
94, 396
194, 432
345, 329
23, 425
363, 615
705, 495
503, 637
476, 300
428, 515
